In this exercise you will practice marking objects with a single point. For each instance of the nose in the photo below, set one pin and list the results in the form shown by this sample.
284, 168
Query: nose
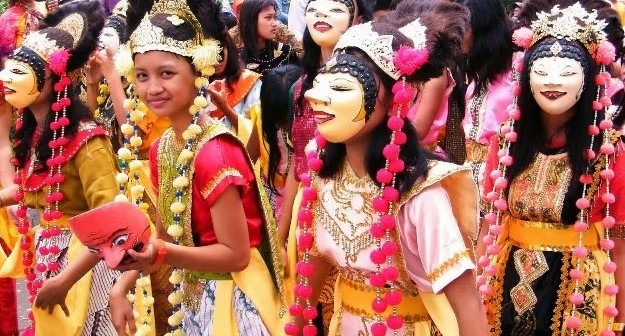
315, 97
4, 76
154, 87
321, 14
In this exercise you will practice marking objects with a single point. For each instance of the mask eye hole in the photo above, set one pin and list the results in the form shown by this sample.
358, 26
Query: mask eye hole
120, 240
93, 250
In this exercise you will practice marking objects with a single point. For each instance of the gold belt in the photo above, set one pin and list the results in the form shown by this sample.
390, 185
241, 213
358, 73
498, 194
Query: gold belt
356, 299
548, 236
476, 152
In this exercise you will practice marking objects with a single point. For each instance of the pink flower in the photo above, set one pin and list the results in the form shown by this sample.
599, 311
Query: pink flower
58, 61
522, 37
606, 53
408, 60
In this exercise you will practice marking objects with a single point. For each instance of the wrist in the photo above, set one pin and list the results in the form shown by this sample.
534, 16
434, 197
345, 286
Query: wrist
160, 252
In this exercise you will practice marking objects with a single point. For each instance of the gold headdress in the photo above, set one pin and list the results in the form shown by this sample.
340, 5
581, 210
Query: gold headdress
571, 23
205, 52
380, 47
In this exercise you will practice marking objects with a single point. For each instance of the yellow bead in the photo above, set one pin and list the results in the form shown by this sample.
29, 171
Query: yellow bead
135, 165
200, 101
195, 129
148, 301
175, 298
181, 182
175, 278
175, 230
201, 81
144, 206
136, 116
173, 321
186, 135
208, 71
124, 154
193, 109
143, 282
136, 314
185, 156
100, 100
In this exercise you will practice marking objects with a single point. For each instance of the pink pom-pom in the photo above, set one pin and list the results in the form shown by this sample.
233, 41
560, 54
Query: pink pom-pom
305, 217
53, 266
610, 311
488, 239
493, 249
511, 136
486, 289
321, 141
582, 203
606, 124
305, 242
391, 274
391, 194
290, 329
408, 60
379, 305
593, 130
599, 80
391, 151
295, 309
516, 89
608, 198
309, 194
389, 248
501, 183
306, 269
585, 178
380, 204
492, 196
400, 138
315, 164
607, 149
377, 231
505, 129
377, 256
303, 291
305, 179
309, 313
522, 37
394, 297
576, 298
377, 280
580, 226
483, 261
608, 222
573, 322
576, 274
396, 166
309, 330
611, 289
515, 114
395, 322
404, 95
387, 222
58, 61
605, 101
480, 280
378, 329
506, 160
501, 204
596, 105
606, 53
496, 229
384, 176
395, 123
494, 174
580, 251
609, 267
490, 217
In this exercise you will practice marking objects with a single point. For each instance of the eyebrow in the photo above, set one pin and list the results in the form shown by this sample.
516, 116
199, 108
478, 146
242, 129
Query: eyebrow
342, 79
103, 239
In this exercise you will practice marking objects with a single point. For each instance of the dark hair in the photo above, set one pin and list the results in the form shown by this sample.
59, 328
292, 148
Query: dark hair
234, 66
413, 155
248, 27
119, 24
274, 98
491, 51
76, 113
532, 133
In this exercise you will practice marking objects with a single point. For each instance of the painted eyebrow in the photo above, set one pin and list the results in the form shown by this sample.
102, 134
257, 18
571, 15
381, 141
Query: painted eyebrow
104, 238
342, 79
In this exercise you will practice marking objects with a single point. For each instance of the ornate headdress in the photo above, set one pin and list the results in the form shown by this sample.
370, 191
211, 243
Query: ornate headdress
403, 53
546, 32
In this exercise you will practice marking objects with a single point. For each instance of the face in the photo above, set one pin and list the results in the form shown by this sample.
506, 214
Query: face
165, 83
556, 83
337, 101
267, 23
327, 20
109, 234
221, 66
20, 84
108, 38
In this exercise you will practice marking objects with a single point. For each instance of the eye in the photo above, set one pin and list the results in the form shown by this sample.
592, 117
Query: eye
540, 72
337, 10
340, 88
166, 74
120, 240
311, 10
141, 76
18, 72
567, 73
93, 250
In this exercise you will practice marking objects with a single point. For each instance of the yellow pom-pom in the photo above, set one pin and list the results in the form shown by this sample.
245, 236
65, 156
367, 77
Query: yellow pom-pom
201, 82
175, 230
121, 178
148, 301
175, 298
186, 135
178, 332
174, 321
135, 141
136, 314
200, 101
130, 297
194, 109
195, 129
185, 156
144, 206
121, 198
181, 182
130, 104
127, 129
177, 207
136, 116
124, 154
104, 88
141, 107
208, 71
145, 329
100, 100
137, 191
176, 277
135, 165
143, 282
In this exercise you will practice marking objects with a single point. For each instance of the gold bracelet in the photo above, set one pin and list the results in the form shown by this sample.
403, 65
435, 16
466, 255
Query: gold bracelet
617, 326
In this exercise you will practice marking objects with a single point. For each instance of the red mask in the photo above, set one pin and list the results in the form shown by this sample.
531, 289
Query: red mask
112, 229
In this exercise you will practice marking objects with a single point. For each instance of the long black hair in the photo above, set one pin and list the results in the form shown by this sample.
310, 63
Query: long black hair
274, 98
490, 54
248, 27
532, 133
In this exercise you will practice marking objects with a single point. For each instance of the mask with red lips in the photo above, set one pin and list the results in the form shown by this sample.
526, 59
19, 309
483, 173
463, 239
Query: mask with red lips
111, 230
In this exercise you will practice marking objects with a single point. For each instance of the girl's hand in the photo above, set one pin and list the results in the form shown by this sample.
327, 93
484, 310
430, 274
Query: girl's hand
121, 311
52, 293
93, 72
104, 58
219, 98
141, 260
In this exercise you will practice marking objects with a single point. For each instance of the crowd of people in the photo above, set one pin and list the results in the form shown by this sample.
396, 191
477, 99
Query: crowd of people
404, 167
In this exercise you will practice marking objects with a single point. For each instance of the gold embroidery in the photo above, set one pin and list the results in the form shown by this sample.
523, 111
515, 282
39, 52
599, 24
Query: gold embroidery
493, 301
218, 178
530, 265
447, 265
563, 296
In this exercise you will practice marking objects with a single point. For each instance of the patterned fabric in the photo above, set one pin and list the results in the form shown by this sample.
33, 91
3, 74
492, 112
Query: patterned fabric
248, 320
283, 36
8, 302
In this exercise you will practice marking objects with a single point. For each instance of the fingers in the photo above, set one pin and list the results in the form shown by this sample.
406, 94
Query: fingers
64, 307
130, 317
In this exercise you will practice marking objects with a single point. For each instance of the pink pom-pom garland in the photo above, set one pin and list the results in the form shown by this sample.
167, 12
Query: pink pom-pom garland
522, 37
58, 62
408, 60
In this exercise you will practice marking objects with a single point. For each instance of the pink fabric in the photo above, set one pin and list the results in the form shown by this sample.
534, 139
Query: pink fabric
440, 121
493, 112
302, 131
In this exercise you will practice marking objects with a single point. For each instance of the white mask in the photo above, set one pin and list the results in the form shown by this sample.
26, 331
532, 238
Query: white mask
556, 83
327, 20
